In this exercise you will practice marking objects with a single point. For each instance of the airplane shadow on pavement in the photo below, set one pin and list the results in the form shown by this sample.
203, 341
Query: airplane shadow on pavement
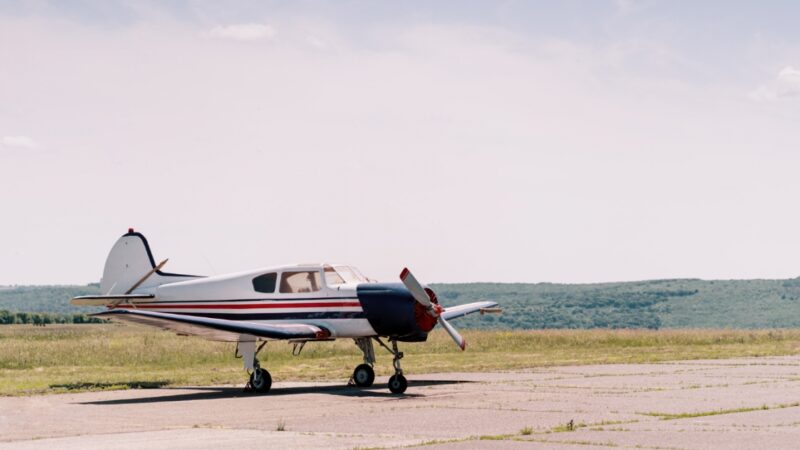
222, 392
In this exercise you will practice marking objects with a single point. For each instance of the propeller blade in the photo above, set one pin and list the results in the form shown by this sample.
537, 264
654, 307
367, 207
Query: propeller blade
453, 333
416, 289
419, 294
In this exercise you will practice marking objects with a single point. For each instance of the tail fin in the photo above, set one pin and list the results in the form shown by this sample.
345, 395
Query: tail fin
128, 262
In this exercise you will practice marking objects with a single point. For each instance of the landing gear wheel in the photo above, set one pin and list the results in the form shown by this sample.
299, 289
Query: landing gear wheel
261, 380
363, 376
397, 384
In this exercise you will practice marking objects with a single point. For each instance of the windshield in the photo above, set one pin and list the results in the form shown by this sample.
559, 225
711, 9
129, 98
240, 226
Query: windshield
331, 277
342, 274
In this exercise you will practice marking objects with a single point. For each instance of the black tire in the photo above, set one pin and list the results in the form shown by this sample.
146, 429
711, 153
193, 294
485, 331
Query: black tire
263, 382
364, 376
397, 384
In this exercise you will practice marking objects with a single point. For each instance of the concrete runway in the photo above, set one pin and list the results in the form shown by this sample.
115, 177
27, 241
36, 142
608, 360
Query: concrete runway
755, 400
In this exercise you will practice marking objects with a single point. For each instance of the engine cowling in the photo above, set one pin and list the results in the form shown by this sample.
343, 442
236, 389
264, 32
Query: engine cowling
392, 311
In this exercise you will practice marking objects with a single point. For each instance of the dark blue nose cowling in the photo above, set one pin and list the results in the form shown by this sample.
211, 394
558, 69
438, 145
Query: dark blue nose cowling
390, 310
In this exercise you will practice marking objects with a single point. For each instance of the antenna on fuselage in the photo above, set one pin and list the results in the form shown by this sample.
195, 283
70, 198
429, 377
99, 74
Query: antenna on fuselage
146, 276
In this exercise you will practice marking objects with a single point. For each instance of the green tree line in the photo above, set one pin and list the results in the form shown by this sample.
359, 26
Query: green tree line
11, 318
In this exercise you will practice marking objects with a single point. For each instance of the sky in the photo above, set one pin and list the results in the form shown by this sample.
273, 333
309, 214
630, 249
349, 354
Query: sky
516, 141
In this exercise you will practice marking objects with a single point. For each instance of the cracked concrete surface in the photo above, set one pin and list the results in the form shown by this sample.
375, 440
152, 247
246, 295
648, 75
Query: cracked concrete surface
739, 403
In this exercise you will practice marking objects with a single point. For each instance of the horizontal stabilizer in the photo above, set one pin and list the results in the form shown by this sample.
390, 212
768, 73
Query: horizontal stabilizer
216, 329
467, 308
103, 300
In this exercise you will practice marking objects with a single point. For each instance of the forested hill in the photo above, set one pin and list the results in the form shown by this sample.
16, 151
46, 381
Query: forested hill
683, 303
645, 304
47, 299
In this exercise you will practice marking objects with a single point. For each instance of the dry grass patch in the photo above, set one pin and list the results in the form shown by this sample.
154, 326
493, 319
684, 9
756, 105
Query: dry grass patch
64, 358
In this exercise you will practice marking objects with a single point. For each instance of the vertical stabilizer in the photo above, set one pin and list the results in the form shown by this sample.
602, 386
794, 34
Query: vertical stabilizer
128, 262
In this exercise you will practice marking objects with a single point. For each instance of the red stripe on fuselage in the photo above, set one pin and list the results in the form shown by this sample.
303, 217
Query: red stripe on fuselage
242, 306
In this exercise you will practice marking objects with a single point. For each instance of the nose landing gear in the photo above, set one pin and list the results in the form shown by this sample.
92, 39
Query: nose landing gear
397, 382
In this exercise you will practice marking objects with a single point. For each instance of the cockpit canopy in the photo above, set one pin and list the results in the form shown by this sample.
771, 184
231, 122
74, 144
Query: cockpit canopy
307, 279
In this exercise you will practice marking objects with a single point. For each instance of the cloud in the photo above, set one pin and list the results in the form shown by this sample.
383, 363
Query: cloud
785, 85
23, 142
243, 32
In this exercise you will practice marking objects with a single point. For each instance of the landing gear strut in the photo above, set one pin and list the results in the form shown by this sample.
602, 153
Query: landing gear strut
260, 379
363, 375
397, 382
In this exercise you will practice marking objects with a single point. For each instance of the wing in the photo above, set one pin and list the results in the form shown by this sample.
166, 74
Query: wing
216, 329
455, 312
103, 300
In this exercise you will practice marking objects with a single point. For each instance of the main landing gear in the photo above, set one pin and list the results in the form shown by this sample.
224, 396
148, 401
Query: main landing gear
364, 375
260, 379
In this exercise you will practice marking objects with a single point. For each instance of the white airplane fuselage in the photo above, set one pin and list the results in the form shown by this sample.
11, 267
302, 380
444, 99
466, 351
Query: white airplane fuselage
233, 297
318, 301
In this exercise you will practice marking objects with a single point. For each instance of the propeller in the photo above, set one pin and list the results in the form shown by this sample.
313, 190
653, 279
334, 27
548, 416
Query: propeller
435, 310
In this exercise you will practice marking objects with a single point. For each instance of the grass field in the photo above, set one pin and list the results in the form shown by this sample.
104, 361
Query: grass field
61, 358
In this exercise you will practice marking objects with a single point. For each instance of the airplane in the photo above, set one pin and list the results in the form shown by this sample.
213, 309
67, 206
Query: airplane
298, 303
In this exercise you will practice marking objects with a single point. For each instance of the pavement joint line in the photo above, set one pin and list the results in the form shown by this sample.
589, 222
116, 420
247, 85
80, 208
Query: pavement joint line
720, 412
598, 444
568, 442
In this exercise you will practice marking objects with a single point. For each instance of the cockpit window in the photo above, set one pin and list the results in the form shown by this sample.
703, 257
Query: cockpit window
300, 281
331, 277
265, 283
